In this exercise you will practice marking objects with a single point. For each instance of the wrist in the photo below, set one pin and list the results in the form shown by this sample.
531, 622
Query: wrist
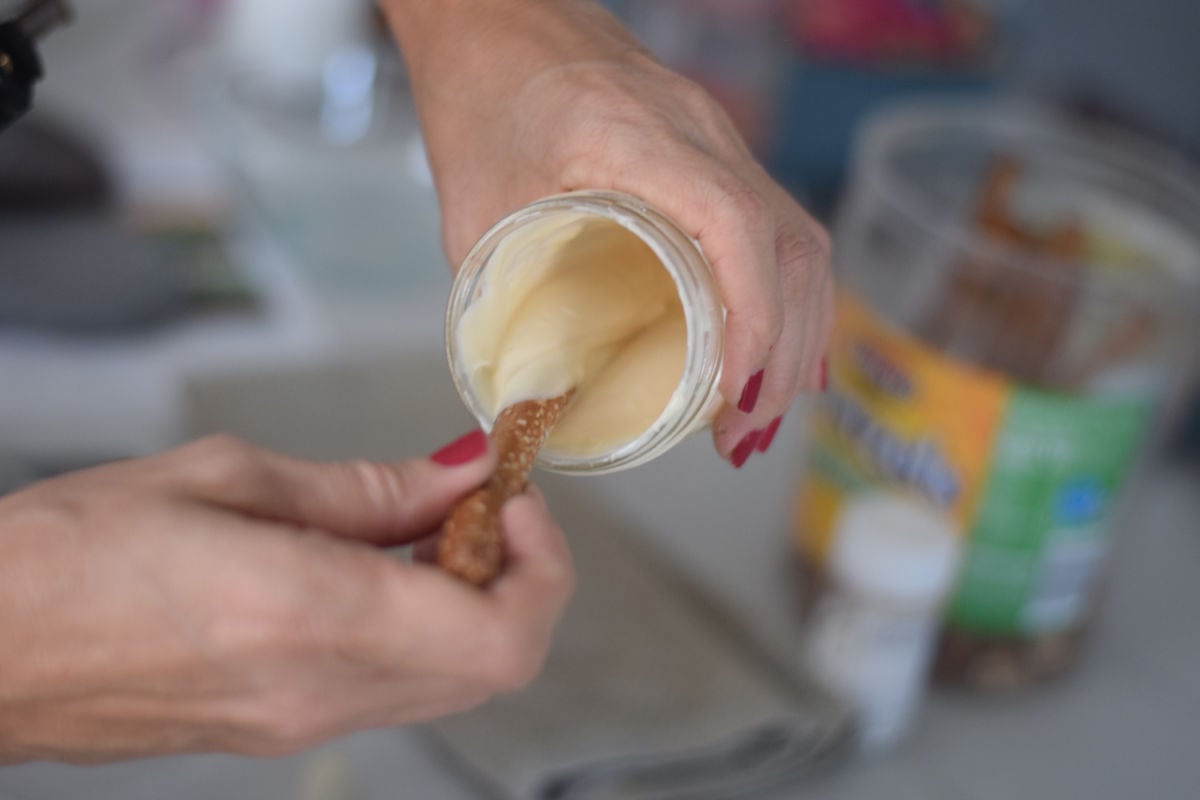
428, 31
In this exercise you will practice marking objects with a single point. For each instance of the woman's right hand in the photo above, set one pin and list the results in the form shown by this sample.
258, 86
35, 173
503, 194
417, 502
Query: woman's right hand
223, 598
521, 99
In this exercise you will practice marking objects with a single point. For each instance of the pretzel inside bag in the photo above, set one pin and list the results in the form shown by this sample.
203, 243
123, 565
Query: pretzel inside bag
472, 545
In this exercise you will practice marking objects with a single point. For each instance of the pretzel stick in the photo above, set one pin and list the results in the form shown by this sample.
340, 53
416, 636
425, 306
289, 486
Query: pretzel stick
472, 546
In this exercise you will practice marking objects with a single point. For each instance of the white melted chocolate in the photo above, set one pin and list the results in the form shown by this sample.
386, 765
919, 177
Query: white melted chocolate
577, 301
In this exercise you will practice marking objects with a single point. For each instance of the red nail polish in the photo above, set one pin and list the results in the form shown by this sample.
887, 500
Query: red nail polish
824, 374
744, 448
749, 398
768, 435
462, 450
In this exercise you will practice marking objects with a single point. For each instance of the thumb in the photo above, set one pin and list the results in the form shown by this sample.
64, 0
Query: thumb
376, 502
539, 576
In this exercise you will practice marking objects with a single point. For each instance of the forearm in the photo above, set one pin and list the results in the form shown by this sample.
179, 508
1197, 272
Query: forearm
423, 27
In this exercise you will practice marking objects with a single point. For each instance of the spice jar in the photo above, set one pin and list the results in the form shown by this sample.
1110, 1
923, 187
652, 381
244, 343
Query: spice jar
1017, 311
893, 562
623, 292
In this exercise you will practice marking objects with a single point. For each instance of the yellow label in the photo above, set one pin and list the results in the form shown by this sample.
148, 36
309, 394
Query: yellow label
896, 413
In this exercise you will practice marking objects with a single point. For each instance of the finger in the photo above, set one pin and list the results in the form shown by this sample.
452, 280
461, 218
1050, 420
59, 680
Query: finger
794, 361
522, 607
538, 576
735, 229
387, 625
805, 249
427, 620
819, 320
733, 221
381, 503
496, 638
426, 550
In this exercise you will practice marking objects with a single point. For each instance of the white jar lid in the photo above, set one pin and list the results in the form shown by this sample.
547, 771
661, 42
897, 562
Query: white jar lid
895, 545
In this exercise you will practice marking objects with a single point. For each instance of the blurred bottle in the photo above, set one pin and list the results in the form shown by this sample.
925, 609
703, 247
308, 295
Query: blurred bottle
313, 114
289, 43
893, 563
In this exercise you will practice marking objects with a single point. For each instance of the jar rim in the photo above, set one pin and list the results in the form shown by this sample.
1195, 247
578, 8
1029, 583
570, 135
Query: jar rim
679, 254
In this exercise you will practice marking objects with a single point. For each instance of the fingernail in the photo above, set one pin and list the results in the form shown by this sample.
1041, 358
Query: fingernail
824, 374
462, 450
744, 448
749, 398
768, 435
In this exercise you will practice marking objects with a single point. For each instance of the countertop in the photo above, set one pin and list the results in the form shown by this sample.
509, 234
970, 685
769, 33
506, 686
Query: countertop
1124, 725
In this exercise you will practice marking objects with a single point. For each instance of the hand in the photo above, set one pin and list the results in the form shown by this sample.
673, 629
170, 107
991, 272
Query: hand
223, 598
521, 99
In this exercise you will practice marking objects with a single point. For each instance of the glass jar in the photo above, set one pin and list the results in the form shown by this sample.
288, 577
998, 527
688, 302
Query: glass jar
694, 400
1017, 317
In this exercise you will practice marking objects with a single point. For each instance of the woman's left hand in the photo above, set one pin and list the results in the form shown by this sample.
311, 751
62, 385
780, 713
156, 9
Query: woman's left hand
520, 100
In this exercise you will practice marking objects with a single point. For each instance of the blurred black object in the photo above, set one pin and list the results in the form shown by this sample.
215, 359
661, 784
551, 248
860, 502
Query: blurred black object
83, 274
20, 66
69, 266
65, 264
45, 169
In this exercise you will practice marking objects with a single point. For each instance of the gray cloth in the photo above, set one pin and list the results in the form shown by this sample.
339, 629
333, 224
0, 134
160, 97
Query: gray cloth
649, 692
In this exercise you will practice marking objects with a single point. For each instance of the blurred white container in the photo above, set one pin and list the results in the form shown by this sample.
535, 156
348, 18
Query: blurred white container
288, 41
311, 112
893, 562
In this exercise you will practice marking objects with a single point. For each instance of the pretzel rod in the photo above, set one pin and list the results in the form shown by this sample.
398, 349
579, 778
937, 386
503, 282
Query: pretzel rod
472, 546
1010, 320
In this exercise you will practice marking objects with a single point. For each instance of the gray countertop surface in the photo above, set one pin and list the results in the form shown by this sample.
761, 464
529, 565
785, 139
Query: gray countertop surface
1124, 725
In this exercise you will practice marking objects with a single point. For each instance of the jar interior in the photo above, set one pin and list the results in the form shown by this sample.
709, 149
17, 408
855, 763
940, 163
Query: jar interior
576, 300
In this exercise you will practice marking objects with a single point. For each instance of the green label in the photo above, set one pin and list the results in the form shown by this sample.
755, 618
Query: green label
1040, 535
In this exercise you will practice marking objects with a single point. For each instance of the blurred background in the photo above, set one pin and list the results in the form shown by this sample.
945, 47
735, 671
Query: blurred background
218, 216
